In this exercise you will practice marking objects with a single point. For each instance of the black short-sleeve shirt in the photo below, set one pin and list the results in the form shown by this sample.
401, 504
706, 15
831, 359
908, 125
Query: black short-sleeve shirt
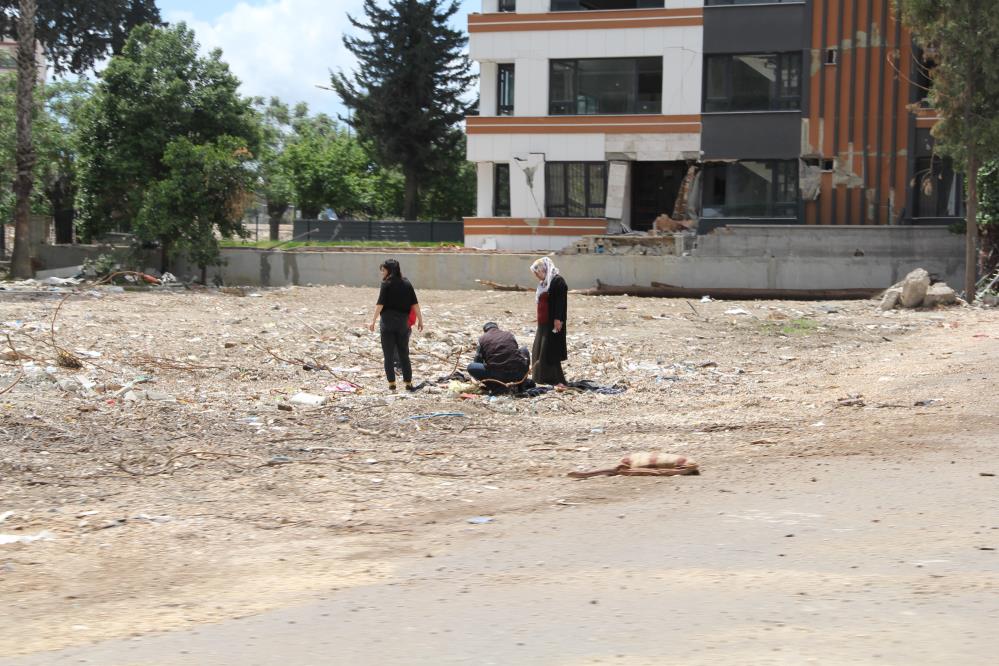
397, 295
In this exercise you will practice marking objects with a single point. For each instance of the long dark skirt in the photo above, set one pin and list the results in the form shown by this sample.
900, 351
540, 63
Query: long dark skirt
545, 373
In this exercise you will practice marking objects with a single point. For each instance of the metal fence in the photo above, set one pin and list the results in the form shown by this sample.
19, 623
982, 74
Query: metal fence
379, 230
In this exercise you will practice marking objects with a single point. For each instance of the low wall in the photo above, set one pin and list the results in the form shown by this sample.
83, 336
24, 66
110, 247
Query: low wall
745, 256
379, 230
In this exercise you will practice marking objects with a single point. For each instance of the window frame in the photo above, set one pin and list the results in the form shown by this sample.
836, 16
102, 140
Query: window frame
501, 108
778, 99
498, 209
576, 6
573, 65
776, 208
590, 208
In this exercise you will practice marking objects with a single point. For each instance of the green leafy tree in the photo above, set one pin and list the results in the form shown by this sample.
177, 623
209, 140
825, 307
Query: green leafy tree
406, 95
328, 166
202, 194
451, 195
55, 112
74, 35
988, 215
154, 101
274, 183
963, 38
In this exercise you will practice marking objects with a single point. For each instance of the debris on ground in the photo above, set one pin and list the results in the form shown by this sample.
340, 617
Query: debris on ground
917, 291
183, 408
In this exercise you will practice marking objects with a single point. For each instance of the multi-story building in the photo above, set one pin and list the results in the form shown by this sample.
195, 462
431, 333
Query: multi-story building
593, 112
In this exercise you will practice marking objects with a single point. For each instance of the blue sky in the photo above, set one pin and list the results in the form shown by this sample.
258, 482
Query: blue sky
279, 47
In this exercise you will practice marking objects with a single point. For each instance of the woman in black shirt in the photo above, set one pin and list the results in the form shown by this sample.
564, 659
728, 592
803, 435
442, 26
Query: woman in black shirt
396, 300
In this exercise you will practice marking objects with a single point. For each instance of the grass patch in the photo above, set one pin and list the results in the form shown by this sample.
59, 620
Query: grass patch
799, 326
266, 245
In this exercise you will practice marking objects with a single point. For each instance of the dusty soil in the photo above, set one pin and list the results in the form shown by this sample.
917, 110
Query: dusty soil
196, 497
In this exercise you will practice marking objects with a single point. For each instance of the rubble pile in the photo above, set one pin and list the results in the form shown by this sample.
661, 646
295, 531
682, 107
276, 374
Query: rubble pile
917, 291
179, 426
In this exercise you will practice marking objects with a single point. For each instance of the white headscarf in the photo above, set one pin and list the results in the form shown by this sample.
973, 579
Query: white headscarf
547, 266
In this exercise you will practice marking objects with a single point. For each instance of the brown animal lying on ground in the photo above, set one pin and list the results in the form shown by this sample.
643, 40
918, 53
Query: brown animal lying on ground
645, 464
666, 224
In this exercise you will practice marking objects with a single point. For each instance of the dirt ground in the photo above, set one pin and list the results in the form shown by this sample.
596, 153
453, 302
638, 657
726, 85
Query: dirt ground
170, 485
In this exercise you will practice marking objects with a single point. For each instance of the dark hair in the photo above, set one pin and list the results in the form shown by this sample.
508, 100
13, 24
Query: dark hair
489, 325
394, 271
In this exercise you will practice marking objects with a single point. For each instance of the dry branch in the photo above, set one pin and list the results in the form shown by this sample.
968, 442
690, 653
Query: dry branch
502, 287
20, 368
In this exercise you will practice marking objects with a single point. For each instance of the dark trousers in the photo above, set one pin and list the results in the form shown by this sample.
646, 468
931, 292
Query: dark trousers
481, 372
395, 341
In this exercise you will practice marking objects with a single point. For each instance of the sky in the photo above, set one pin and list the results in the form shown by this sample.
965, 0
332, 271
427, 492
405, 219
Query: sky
280, 47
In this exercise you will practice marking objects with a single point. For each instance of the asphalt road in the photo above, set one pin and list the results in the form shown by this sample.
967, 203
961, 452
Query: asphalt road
827, 561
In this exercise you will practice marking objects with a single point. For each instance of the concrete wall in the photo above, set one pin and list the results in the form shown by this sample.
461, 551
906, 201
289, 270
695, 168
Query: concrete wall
744, 256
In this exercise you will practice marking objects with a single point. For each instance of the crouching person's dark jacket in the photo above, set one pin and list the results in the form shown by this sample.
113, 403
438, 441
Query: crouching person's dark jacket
499, 352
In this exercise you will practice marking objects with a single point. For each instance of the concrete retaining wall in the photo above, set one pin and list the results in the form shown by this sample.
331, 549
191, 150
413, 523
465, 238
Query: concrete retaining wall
744, 256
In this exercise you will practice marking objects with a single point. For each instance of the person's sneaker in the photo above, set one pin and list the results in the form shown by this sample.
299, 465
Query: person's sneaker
392, 386
409, 386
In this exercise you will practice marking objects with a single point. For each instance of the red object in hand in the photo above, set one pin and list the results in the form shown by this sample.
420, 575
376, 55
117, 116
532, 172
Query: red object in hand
412, 317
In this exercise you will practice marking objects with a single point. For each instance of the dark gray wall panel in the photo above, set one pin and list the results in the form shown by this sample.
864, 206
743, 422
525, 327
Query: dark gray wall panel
756, 28
747, 136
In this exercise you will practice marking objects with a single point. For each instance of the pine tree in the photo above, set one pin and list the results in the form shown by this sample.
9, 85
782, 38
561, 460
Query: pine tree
74, 34
406, 96
963, 36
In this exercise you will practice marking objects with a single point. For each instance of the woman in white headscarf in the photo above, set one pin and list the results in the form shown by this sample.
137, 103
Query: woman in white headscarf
550, 348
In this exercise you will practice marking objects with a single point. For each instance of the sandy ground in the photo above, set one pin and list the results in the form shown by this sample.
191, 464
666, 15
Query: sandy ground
200, 499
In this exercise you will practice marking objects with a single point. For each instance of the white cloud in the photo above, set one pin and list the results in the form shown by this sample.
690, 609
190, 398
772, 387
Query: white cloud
282, 47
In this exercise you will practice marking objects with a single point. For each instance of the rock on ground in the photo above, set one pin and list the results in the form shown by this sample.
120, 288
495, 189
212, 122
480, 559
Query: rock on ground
914, 288
939, 294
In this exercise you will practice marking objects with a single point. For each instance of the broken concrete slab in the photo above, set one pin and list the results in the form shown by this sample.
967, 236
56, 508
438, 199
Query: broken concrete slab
939, 294
890, 298
914, 288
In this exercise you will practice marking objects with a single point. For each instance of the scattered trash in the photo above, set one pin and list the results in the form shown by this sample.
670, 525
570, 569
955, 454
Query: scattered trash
851, 401
927, 403
738, 311
979, 474
5, 515
153, 519
706, 299
342, 387
308, 400
480, 520
434, 415
6, 539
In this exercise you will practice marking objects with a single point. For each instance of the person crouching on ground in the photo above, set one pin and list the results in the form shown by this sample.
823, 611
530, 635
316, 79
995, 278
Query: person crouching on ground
499, 363
396, 299
549, 348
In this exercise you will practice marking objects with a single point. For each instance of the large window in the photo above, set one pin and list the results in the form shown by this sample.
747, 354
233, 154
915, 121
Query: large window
575, 189
508, 5
501, 190
504, 90
580, 5
752, 82
765, 189
605, 86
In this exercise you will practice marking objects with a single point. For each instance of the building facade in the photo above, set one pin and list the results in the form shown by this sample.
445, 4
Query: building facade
594, 115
